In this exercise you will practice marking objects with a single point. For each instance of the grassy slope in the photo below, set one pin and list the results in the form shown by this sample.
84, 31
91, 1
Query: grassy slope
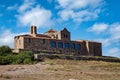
57, 69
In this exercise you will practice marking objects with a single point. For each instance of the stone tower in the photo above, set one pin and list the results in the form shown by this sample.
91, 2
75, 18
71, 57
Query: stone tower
33, 30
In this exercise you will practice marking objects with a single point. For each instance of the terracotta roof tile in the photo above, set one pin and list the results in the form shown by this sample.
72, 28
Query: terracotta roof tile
51, 31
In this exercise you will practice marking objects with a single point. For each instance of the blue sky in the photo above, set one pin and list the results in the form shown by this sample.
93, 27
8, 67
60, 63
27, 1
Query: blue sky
97, 20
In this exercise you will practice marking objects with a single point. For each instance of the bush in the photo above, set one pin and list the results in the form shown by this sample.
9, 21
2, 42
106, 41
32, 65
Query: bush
25, 57
3, 60
26, 54
18, 61
11, 58
6, 56
27, 61
4, 50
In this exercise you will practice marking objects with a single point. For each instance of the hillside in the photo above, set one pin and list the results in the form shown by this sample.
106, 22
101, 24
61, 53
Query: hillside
57, 69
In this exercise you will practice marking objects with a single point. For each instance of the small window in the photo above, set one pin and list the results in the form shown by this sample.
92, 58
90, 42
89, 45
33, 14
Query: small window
60, 51
53, 37
53, 44
43, 41
29, 40
66, 36
78, 52
67, 51
60, 45
67, 45
78, 46
56, 36
73, 46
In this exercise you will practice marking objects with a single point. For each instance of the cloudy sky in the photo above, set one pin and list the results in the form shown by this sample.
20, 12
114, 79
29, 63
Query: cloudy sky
97, 20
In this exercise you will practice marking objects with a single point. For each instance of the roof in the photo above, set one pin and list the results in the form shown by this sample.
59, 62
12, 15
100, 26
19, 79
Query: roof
42, 35
80, 40
51, 31
37, 36
26, 35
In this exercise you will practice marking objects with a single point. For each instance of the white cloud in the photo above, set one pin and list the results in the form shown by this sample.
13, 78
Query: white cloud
27, 4
78, 4
115, 31
98, 28
105, 42
79, 10
33, 14
115, 52
37, 16
112, 29
79, 16
113, 37
7, 38
12, 7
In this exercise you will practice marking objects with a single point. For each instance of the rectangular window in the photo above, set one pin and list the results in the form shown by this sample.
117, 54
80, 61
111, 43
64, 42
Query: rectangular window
29, 40
73, 46
53, 44
67, 45
78, 46
60, 45
43, 41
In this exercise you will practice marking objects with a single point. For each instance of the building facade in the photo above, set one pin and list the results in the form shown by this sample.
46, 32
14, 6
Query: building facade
56, 42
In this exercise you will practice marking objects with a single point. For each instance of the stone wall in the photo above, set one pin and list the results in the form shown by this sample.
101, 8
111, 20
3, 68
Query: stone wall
18, 42
39, 44
36, 43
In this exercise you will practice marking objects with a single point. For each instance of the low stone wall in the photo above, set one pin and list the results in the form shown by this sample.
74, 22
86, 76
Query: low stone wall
71, 57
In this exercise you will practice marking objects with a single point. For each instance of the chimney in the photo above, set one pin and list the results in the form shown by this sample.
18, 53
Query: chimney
33, 30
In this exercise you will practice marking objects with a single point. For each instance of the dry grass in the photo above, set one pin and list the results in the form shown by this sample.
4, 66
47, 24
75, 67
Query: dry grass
57, 69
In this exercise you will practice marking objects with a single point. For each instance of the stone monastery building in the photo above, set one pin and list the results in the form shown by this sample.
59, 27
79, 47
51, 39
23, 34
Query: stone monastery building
56, 42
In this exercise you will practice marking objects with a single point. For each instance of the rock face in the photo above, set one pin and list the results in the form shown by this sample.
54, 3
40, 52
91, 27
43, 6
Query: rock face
56, 42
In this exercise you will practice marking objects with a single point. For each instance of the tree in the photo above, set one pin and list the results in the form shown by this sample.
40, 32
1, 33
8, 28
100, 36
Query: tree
5, 50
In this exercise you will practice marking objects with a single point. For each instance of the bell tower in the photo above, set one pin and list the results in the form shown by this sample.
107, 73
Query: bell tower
33, 30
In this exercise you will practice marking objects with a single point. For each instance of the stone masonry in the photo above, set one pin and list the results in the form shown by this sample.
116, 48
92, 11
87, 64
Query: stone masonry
56, 42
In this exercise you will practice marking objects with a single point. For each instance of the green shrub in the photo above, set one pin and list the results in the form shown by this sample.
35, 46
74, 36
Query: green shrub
25, 57
4, 50
18, 61
27, 61
25, 54
3, 60
11, 58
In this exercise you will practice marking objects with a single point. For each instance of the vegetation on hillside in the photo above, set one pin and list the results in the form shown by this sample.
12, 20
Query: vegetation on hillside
27, 57
7, 57
4, 50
